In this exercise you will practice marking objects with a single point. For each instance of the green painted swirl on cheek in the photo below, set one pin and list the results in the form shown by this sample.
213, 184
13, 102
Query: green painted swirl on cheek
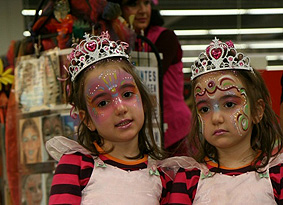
243, 122
243, 118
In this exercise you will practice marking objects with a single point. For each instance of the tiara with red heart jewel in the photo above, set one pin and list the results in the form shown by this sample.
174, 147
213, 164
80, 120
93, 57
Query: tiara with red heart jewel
93, 49
220, 56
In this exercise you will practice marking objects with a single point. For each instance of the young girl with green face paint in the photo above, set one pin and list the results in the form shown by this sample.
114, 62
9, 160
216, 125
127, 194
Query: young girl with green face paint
115, 159
237, 141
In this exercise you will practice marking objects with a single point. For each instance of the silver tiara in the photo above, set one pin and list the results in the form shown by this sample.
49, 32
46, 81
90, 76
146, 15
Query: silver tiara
220, 56
93, 49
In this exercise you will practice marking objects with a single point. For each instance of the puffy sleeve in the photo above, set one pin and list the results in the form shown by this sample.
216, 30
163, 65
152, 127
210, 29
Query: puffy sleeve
181, 176
71, 176
276, 177
72, 172
184, 186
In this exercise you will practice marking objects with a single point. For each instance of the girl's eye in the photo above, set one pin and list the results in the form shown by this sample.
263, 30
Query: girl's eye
102, 103
128, 94
230, 104
203, 109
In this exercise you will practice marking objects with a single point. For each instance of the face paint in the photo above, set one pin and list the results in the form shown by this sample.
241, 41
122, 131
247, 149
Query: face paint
242, 116
220, 97
109, 90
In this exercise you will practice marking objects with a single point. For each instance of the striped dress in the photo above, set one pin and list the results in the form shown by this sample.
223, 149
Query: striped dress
185, 185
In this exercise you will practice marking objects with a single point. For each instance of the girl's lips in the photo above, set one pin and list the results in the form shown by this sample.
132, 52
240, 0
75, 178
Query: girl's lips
124, 124
219, 132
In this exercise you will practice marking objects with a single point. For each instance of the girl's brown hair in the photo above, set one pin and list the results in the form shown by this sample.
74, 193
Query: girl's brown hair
75, 96
267, 137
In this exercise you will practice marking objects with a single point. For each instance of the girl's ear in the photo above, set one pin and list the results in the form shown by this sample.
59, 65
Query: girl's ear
259, 111
87, 123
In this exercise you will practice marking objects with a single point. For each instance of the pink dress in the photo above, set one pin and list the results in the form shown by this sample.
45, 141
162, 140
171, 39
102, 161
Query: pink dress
109, 184
251, 188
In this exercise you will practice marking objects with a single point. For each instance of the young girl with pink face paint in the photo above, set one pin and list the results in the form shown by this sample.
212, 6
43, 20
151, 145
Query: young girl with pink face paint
114, 161
237, 141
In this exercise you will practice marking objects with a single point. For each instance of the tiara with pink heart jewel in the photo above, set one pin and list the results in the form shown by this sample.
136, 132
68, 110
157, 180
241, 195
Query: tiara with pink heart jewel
93, 49
220, 56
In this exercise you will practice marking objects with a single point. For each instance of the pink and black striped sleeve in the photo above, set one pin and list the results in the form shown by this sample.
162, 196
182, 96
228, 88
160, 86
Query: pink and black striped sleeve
71, 176
276, 177
184, 187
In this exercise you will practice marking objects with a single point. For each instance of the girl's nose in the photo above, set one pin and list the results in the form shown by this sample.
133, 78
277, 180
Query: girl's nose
120, 107
217, 117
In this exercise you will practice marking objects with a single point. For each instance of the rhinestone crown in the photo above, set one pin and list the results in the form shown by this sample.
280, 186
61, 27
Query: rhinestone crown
93, 49
220, 56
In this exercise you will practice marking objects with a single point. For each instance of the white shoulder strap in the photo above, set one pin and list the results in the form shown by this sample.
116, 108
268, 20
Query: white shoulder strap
59, 145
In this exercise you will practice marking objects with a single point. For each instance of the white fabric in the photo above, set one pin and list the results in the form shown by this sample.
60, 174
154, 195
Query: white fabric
59, 145
248, 188
111, 185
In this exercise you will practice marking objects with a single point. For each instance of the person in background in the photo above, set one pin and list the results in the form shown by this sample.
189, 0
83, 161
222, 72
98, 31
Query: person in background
237, 138
114, 161
32, 189
143, 17
30, 142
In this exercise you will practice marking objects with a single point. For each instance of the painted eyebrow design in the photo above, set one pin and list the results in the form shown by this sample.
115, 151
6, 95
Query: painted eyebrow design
200, 102
125, 85
98, 96
222, 98
229, 96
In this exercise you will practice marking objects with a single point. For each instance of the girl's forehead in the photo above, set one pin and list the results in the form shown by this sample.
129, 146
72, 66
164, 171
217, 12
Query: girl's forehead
109, 71
221, 79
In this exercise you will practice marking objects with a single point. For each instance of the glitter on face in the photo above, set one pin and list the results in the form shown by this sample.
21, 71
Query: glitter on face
110, 89
211, 94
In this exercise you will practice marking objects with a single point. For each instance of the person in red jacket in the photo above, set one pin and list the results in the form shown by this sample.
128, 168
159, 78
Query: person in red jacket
143, 17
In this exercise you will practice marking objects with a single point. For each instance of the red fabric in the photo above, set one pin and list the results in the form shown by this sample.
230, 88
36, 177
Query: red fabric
12, 149
176, 113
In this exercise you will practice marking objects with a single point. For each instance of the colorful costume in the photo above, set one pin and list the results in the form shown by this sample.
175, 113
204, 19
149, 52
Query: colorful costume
177, 114
101, 179
197, 183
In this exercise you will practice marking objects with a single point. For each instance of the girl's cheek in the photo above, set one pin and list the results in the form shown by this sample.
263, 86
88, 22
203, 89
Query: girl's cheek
136, 101
240, 119
97, 114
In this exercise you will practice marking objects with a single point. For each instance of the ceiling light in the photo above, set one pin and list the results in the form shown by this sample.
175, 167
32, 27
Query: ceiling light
229, 31
274, 57
274, 68
30, 12
221, 12
26, 33
247, 45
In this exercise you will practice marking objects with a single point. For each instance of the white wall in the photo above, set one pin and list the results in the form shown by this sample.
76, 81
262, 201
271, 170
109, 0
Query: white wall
11, 23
